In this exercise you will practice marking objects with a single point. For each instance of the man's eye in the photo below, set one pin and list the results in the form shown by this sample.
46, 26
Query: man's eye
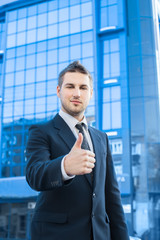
84, 88
69, 86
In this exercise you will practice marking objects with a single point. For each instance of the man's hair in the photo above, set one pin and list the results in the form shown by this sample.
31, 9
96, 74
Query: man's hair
75, 66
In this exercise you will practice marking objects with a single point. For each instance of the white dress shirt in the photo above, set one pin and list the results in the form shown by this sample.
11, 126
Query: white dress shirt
71, 122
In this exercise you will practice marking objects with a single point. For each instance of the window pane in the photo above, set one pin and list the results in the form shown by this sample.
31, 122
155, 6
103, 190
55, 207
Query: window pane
8, 96
30, 75
52, 72
106, 95
115, 93
40, 89
113, 17
18, 108
87, 23
29, 106
21, 25
52, 17
12, 27
106, 66
40, 105
42, 20
116, 115
19, 78
63, 54
75, 11
41, 46
19, 93
31, 48
75, 26
42, 33
31, 22
63, 28
31, 36
75, 39
63, 42
10, 65
20, 63
21, 38
106, 116
9, 79
10, 53
41, 74
63, 14
41, 59
75, 52
52, 31
51, 87
11, 41
51, 103
114, 45
7, 110
42, 7
32, 10
52, 56
20, 51
115, 67
87, 36
86, 9
30, 59
29, 91
12, 15
87, 50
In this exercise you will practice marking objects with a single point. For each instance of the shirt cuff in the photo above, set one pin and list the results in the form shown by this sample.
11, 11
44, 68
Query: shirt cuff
65, 177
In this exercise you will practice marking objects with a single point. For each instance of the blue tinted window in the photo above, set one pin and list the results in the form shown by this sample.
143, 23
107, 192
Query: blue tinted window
30, 61
40, 105
18, 108
7, 109
29, 106
42, 33
63, 3
112, 2
41, 59
106, 46
63, 54
87, 50
114, 45
21, 25
63, 28
12, 16
113, 16
52, 5
52, 31
106, 65
32, 10
9, 79
11, 41
52, 56
52, 72
12, 27
52, 44
73, 2
104, 18
30, 75
86, 8
42, 7
19, 78
75, 39
75, 11
40, 89
63, 41
87, 36
106, 95
104, 3
63, 14
21, 38
10, 65
42, 20
106, 116
53, 17
75, 52
20, 51
87, 23
31, 48
29, 91
116, 114
20, 63
22, 13
88, 63
31, 22
31, 36
41, 74
10, 53
75, 26
51, 103
8, 95
41, 46
51, 87
19, 93
115, 64
115, 93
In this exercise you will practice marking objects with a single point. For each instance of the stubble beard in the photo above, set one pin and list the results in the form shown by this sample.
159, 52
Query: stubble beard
73, 113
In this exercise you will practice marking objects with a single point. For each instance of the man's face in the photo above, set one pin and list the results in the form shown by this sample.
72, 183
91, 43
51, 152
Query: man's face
75, 93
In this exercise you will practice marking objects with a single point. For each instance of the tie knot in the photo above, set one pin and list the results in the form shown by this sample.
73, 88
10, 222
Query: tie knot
80, 126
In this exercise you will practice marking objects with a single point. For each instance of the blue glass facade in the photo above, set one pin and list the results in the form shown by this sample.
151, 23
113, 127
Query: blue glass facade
37, 40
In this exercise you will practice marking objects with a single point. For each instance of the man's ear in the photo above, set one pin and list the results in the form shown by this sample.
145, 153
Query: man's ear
58, 91
91, 92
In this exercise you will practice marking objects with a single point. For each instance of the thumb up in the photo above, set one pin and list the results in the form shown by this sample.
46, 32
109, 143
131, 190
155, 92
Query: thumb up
79, 141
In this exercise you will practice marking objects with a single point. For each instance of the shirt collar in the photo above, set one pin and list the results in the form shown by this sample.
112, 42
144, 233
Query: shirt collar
71, 121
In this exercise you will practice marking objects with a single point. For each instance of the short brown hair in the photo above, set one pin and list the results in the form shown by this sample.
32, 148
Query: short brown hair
75, 66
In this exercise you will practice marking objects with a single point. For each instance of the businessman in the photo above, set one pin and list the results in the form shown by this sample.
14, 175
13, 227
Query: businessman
70, 163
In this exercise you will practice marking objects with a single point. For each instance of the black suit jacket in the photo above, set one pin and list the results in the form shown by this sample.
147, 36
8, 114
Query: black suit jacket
71, 210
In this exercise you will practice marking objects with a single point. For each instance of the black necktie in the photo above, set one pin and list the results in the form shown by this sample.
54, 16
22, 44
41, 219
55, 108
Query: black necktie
85, 144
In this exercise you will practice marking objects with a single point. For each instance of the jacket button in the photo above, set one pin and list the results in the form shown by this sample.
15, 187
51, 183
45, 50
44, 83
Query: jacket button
94, 195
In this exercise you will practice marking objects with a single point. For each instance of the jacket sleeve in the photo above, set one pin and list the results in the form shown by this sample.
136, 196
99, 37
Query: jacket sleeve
42, 172
114, 208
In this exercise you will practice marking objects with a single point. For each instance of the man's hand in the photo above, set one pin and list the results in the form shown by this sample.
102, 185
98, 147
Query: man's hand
79, 161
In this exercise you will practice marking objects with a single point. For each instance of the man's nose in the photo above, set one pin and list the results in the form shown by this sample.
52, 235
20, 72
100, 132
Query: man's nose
76, 92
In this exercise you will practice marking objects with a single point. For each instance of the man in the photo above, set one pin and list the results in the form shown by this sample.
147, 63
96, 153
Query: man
71, 165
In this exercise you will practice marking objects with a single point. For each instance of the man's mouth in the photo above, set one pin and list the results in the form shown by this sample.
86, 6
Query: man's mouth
76, 101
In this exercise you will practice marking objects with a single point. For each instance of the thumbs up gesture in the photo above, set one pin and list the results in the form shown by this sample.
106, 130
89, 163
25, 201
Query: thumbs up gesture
79, 161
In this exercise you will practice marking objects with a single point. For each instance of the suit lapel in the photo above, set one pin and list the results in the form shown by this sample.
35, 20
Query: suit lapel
96, 140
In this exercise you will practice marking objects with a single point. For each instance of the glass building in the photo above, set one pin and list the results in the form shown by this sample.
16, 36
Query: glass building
118, 42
